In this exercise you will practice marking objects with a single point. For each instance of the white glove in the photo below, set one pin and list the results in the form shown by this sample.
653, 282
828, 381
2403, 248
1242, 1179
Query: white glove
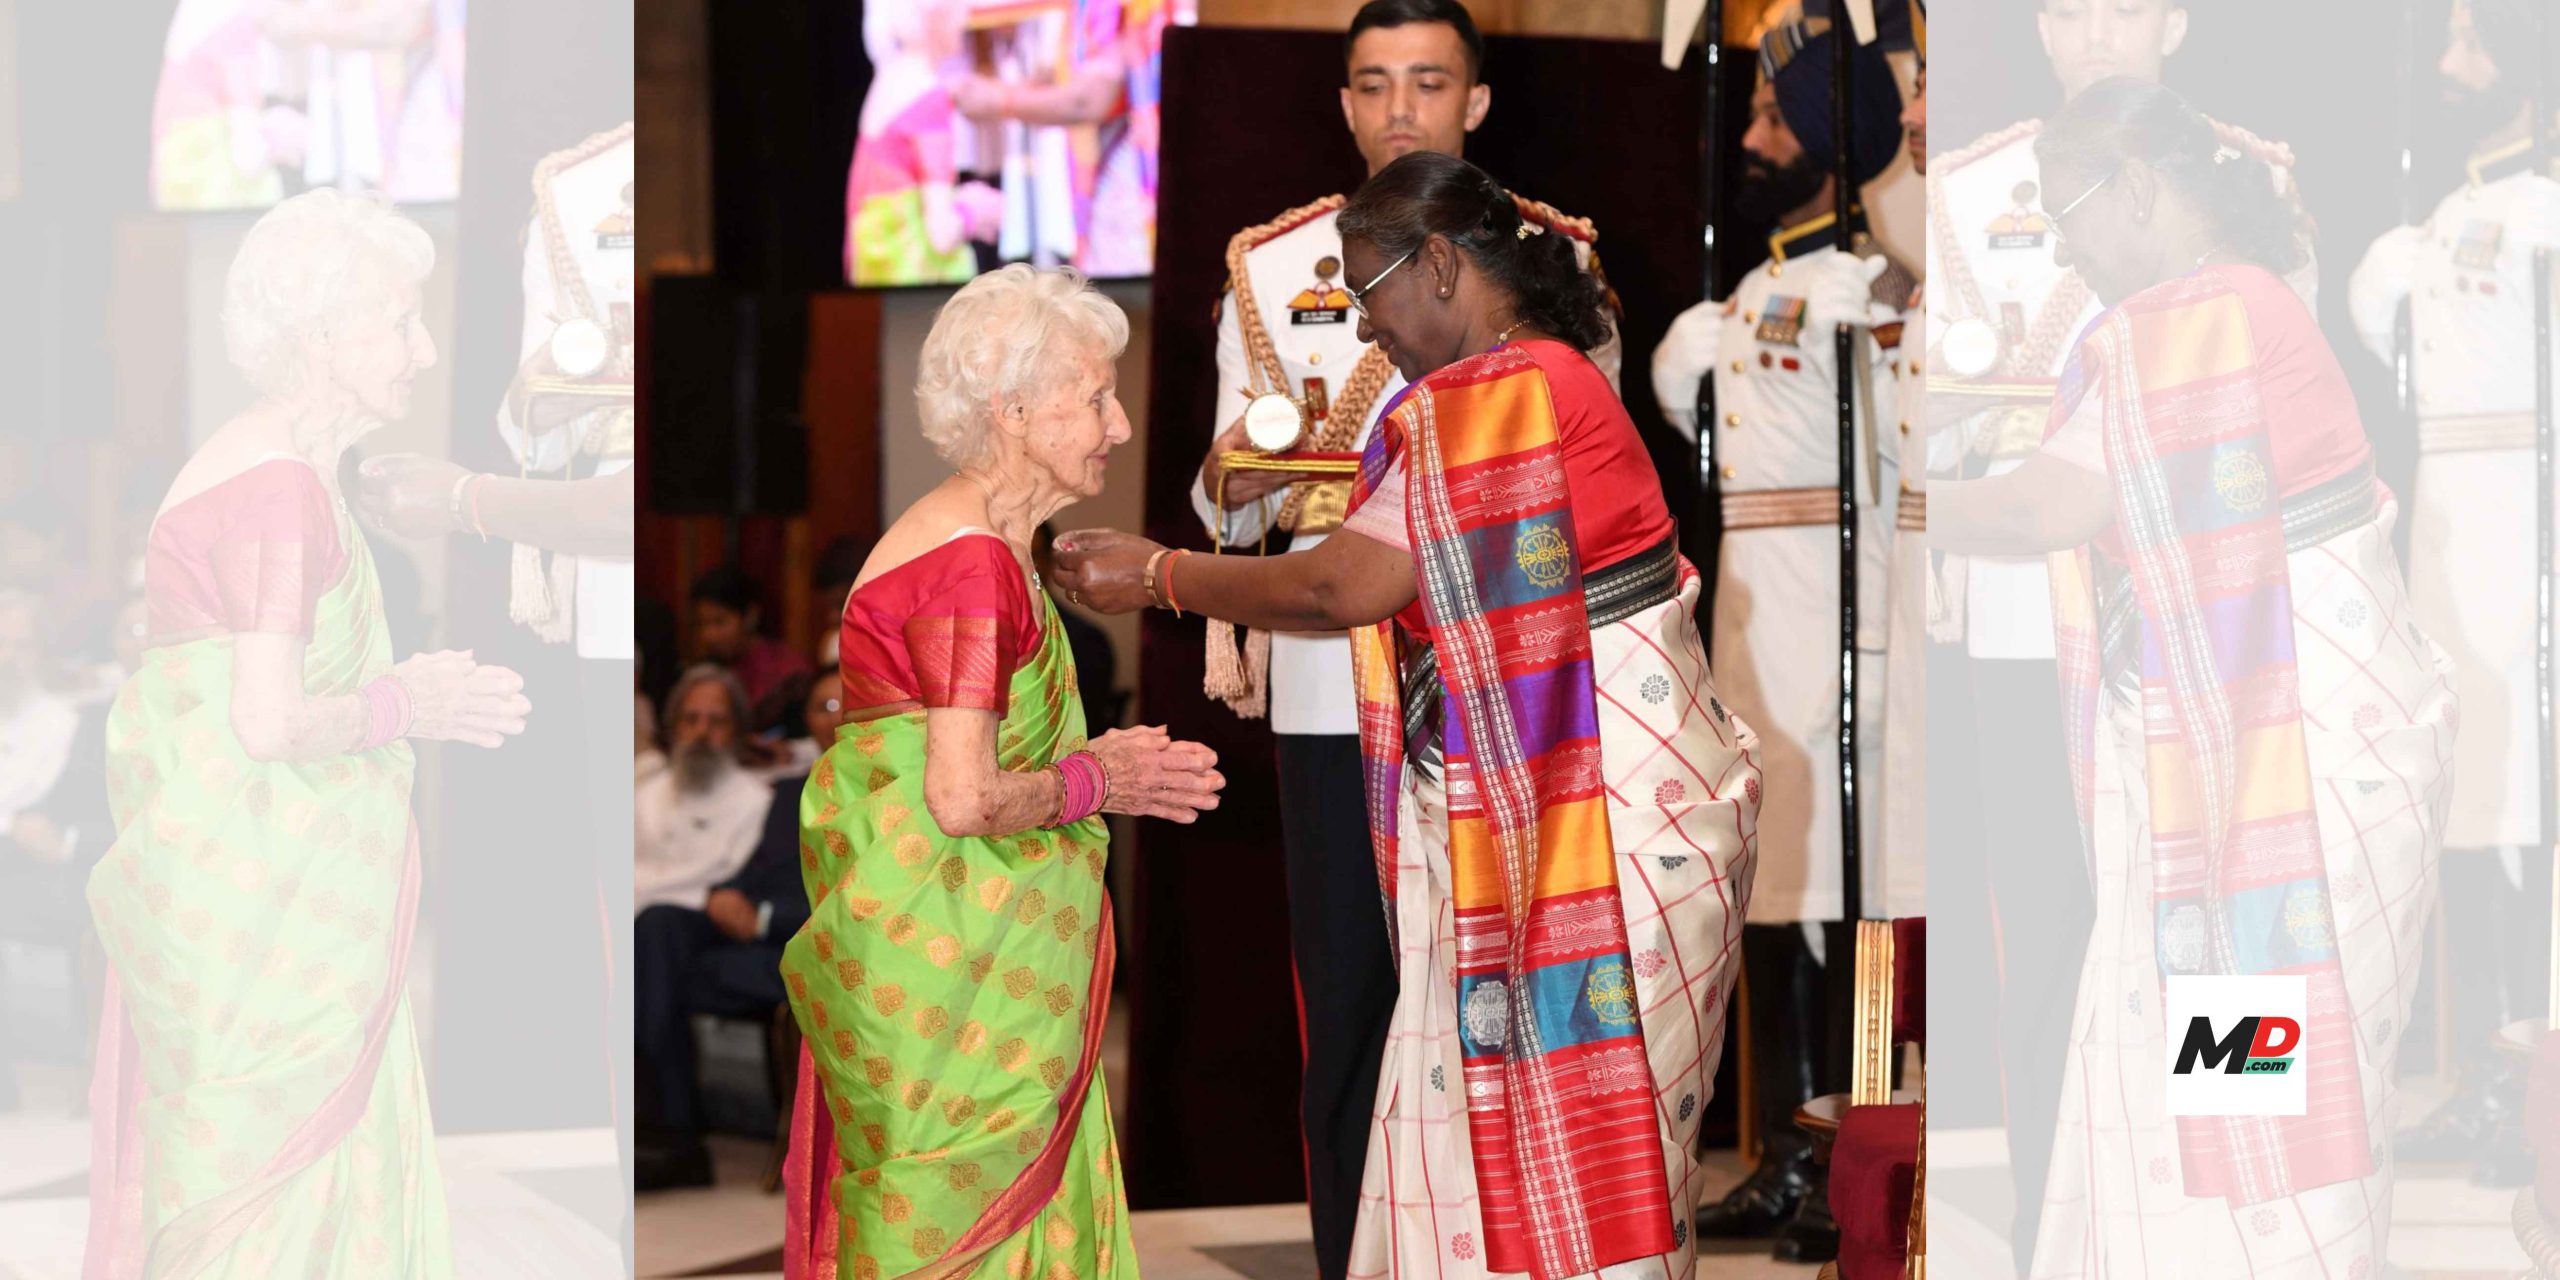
1842, 291
2535, 215
2380, 282
1686, 353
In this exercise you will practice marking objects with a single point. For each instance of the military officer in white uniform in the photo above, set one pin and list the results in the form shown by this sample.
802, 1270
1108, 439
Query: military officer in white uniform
1776, 636
1288, 327
2466, 274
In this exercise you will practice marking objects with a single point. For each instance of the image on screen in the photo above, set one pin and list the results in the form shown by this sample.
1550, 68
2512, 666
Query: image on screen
1023, 131
260, 99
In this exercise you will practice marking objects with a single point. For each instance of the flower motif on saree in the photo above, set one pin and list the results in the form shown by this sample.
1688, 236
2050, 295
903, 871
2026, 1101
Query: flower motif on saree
1543, 554
2240, 478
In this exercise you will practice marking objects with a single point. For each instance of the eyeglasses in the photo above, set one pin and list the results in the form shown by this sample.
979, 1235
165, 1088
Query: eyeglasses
1360, 296
2054, 220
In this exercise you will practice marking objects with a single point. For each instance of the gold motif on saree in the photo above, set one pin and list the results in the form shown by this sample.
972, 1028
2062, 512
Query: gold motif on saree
869, 744
1000, 1119
1060, 1270
844, 1047
818, 1015
942, 951
1019, 982
880, 780
930, 1020
1011, 1053
1060, 1233
861, 908
829, 811
799, 984
892, 817
1612, 993
895, 1208
839, 845
919, 1092
1061, 998
993, 893
824, 944
929, 1242
913, 848
959, 1109
954, 873
849, 973
874, 1068
1035, 904
261, 795
2241, 480
1541, 553
1054, 1071
2306, 919
964, 1174
1065, 923
900, 928
1017, 1265
825, 776
872, 1134
971, 1037
982, 966
889, 999
865, 1267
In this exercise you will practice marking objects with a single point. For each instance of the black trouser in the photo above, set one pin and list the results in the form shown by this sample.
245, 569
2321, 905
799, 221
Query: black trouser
1346, 974
2009, 897
1799, 1009
684, 965
2497, 942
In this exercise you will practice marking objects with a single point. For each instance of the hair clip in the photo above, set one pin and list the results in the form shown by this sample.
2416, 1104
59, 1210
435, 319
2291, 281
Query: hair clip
1528, 229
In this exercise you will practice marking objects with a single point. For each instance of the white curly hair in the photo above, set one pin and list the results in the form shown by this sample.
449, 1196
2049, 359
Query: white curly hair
290, 280
1006, 338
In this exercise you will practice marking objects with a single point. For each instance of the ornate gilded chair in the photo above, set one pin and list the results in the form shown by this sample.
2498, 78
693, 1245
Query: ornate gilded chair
1874, 1134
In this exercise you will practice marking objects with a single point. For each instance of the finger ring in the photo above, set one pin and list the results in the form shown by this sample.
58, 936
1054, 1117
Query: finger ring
1075, 597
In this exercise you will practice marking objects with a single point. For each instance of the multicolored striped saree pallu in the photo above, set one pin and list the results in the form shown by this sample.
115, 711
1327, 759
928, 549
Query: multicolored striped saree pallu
1559, 1093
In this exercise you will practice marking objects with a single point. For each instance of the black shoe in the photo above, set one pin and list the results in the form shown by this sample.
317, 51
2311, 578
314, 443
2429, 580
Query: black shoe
2461, 1126
672, 1168
2504, 1159
1811, 1235
1761, 1203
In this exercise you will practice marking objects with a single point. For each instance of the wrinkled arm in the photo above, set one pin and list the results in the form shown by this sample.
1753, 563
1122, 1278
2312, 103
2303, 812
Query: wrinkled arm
272, 716
965, 791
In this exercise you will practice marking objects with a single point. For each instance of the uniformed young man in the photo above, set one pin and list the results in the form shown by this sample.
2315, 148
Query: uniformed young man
2467, 275
1776, 640
2002, 319
1286, 328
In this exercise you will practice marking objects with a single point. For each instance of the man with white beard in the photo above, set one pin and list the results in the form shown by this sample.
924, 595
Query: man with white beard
697, 821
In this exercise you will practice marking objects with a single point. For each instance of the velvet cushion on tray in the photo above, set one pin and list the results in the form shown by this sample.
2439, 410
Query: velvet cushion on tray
1910, 980
1873, 1166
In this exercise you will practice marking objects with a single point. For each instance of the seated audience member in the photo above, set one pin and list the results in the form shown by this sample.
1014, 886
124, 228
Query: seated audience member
697, 821
723, 959
726, 618
53, 806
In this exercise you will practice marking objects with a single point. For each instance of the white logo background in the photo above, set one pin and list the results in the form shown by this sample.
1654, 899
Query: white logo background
2208, 1091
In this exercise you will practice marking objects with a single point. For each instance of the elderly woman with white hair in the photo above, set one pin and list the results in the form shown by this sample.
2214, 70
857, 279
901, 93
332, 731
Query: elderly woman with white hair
952, 978
259, 1101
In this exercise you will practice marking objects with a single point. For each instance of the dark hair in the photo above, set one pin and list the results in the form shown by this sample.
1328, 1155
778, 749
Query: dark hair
1379, 14
729, 587
1426, 193
2120, 119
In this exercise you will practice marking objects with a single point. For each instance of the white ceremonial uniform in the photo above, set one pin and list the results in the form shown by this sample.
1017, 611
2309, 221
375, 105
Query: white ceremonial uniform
2471, 535
685, 845
1991, 261
591, 201
1317, 337
1903, 786
1776, 635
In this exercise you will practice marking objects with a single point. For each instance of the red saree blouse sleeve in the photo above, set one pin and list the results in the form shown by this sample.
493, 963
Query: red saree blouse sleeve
946, 629
251, 554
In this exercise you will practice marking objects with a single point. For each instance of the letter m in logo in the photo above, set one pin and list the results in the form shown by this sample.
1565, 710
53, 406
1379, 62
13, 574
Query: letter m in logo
2231, 1052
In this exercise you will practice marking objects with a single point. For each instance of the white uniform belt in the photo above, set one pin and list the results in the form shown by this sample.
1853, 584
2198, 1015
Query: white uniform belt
2467, 432
1912, 511
1779, 508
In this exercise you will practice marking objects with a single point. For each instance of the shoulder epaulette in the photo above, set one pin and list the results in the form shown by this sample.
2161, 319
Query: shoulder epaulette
1982, 146
1553, 219
2253, 146
1282, 225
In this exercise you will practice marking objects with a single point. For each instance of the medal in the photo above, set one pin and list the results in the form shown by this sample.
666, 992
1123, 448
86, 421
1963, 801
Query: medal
1274, 422
1970, 348
579, 347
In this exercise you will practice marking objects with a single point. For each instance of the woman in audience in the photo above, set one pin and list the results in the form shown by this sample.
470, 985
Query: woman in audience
952, 979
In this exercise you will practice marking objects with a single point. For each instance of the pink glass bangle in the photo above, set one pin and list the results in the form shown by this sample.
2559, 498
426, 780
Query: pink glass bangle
1083, 785
387, 711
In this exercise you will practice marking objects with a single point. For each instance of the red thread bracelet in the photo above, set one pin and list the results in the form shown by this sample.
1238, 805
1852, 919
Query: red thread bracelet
474, 491
1169, 597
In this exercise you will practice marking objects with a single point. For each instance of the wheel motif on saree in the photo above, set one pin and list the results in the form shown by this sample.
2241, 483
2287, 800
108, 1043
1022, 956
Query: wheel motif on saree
1543, 555
2182, 939
2241, 480
1488, 1014
1611, 991
2306, 918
